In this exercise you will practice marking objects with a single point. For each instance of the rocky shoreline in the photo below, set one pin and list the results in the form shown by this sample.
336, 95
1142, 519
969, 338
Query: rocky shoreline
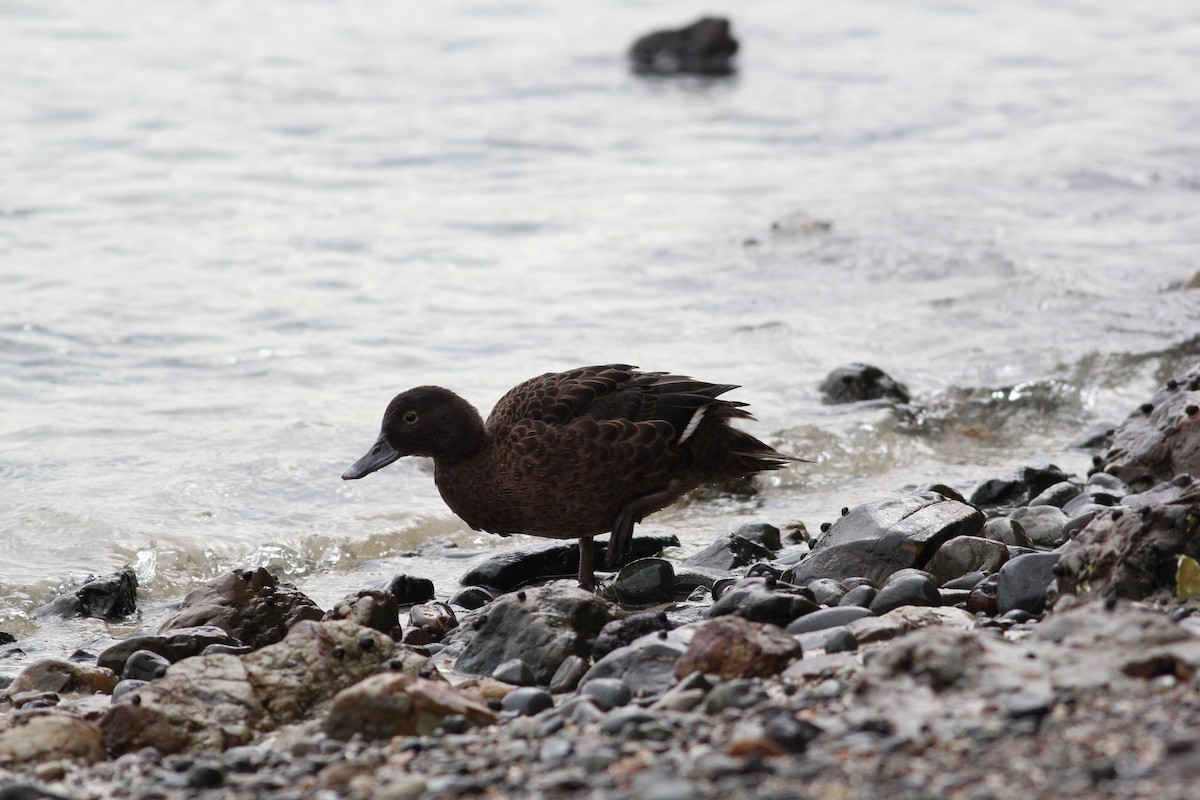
1036, 639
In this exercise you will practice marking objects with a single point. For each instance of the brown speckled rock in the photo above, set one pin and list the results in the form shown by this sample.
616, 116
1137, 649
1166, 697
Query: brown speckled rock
733, 647
395, 704
41, 737
62, 677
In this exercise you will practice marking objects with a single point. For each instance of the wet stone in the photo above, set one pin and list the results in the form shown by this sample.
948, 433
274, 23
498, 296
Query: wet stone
608, 693
826, 591
861, 596
968, 581
854, 383
841, 640
527, 701
144, 665
126, 686
646, 665
374, 608
964, 555
621, 632
568, 674
409, 589
1042, 524
908, 590
509, 570
645, 582
733, 647
109, 597
1007, 532
1057, 495
514, 671
763, 600
739, 693
827, 618
435, 619
705, 47
471, 598
173, 645
761, 533
982, 599
1023, 582
728, 553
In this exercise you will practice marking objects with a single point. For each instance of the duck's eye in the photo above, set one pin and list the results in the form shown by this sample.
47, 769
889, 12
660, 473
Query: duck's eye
410, 417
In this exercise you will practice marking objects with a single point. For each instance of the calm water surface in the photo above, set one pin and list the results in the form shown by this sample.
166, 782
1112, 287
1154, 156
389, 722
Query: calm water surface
229, 233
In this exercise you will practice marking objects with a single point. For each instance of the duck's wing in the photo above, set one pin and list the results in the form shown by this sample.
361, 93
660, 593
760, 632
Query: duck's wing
556, 398
619, 393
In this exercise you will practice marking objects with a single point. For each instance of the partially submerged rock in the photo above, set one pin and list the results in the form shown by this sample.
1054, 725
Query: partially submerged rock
108, 597
250, 605
705, 47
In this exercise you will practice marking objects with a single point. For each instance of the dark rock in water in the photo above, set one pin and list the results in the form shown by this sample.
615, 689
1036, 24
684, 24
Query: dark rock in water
763, 600
109, 597
856, 382
543, 625
1007, 532
728, 552
645, 582
173, 646
1039, 479
608, 693
621, 632
909, 590
860, 596
964, 555
408, 589
761, 533
733, 647
1023, 582
999, 492
706, 47
7, 638
512, 569
514, 671
374, 608
1161, 439
471, 598
145, 665
646, 664
982, 599
1133, 552
249, 604
568, 675
1042, 524
876, 539
527, 701
824, 618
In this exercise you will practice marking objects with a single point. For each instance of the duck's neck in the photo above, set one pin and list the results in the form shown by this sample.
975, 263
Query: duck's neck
463, 442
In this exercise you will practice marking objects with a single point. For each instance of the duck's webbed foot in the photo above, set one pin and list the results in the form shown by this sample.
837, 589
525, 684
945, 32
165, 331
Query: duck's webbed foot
621, 541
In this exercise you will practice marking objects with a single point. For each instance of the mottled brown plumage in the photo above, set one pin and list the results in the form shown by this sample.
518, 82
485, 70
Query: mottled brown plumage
573, 454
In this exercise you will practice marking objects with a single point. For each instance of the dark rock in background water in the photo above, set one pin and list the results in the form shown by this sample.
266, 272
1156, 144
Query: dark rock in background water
706, 47
1161, 439
408, 589
544, 626
857, 382
1132, 551
876, 539
512, 569
251, 605
109, 597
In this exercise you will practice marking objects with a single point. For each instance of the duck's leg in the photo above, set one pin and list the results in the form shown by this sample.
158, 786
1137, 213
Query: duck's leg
631, 513
587, 576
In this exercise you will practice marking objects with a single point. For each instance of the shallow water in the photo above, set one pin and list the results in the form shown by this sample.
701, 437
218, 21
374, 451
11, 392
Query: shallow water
228, 238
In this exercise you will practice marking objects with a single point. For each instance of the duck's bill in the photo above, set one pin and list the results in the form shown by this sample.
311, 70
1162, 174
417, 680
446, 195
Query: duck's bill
379, 456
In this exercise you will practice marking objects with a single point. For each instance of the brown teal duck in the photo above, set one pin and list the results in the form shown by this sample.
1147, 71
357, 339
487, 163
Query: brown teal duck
573, 454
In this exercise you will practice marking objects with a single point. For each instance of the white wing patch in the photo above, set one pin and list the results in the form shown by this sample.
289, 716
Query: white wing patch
693, 423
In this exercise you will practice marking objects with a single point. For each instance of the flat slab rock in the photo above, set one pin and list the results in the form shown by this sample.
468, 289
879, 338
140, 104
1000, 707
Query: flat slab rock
876, 539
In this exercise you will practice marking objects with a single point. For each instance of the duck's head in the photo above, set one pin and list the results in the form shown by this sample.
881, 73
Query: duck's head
425, 421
